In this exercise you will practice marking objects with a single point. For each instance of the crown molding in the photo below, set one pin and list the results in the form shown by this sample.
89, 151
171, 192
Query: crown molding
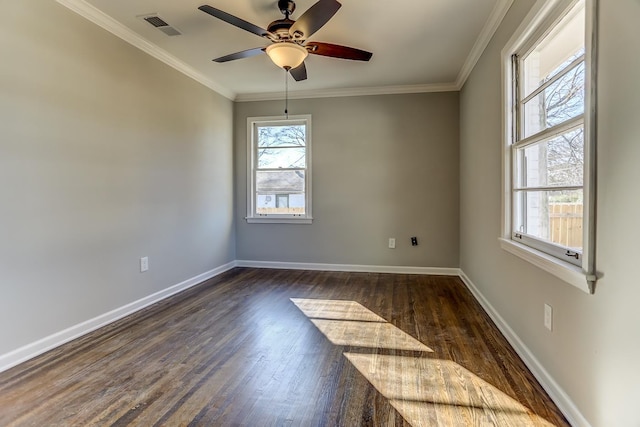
491, 26
91, 13
104, 21
361, 91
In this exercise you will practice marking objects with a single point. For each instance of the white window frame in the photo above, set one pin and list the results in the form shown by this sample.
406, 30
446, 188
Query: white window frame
252, 153
544, 15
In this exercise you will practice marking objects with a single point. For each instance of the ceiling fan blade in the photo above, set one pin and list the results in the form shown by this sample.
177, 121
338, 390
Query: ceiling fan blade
234, 20
299, 73
239, 55
337, 51
314, 18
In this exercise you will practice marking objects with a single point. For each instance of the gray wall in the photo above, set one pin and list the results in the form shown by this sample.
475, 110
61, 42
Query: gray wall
106, 155
594, 350
383, 166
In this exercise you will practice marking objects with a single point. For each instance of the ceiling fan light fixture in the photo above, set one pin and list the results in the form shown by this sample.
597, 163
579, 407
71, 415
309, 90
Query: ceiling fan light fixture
287, 55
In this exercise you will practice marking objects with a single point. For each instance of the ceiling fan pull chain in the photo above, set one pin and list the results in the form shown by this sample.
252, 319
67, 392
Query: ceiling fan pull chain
286, 94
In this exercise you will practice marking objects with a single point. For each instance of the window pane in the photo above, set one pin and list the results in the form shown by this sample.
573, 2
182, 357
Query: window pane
561, 101
564, 65
282, 201
274, 158
553, 216
279, 136
556, 51
280, 192
558, 161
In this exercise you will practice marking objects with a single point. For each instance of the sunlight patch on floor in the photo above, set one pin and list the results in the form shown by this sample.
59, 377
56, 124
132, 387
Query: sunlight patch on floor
429, 392
335, 309
368, 334
424, 390
349, 323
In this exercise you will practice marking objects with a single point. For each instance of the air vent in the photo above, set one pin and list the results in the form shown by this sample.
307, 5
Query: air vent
161, 24
156, 21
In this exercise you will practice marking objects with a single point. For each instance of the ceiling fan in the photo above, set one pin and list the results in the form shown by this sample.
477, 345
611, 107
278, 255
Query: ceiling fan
289, 46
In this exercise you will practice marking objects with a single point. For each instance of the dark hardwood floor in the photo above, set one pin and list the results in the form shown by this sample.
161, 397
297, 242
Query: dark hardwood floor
258, 347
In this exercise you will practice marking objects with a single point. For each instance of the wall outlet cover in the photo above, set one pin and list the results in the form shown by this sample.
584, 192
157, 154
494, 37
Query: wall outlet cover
144, 264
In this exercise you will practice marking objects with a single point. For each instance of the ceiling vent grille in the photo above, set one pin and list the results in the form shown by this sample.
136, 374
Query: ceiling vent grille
161, 25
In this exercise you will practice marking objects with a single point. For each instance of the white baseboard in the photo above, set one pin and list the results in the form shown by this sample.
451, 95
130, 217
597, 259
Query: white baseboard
29, 351
557, 394
350, 268
43, 345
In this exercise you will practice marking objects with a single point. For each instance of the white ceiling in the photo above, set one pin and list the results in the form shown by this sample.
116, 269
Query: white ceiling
417, 45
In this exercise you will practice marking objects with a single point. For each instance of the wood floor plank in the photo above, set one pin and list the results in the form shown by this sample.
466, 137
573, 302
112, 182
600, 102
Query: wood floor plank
257, 347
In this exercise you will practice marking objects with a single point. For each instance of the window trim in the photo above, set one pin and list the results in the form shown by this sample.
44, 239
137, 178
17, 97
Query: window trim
543, 15
252, 217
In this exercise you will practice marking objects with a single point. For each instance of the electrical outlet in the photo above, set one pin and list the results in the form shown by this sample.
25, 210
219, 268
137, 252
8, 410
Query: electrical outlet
392, 243
548, 316
144, 264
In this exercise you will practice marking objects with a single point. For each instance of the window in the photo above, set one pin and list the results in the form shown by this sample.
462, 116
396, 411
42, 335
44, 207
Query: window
279, 168
549, 165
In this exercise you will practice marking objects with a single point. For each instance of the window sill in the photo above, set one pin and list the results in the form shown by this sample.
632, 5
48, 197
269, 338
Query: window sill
263, 220
565, 271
